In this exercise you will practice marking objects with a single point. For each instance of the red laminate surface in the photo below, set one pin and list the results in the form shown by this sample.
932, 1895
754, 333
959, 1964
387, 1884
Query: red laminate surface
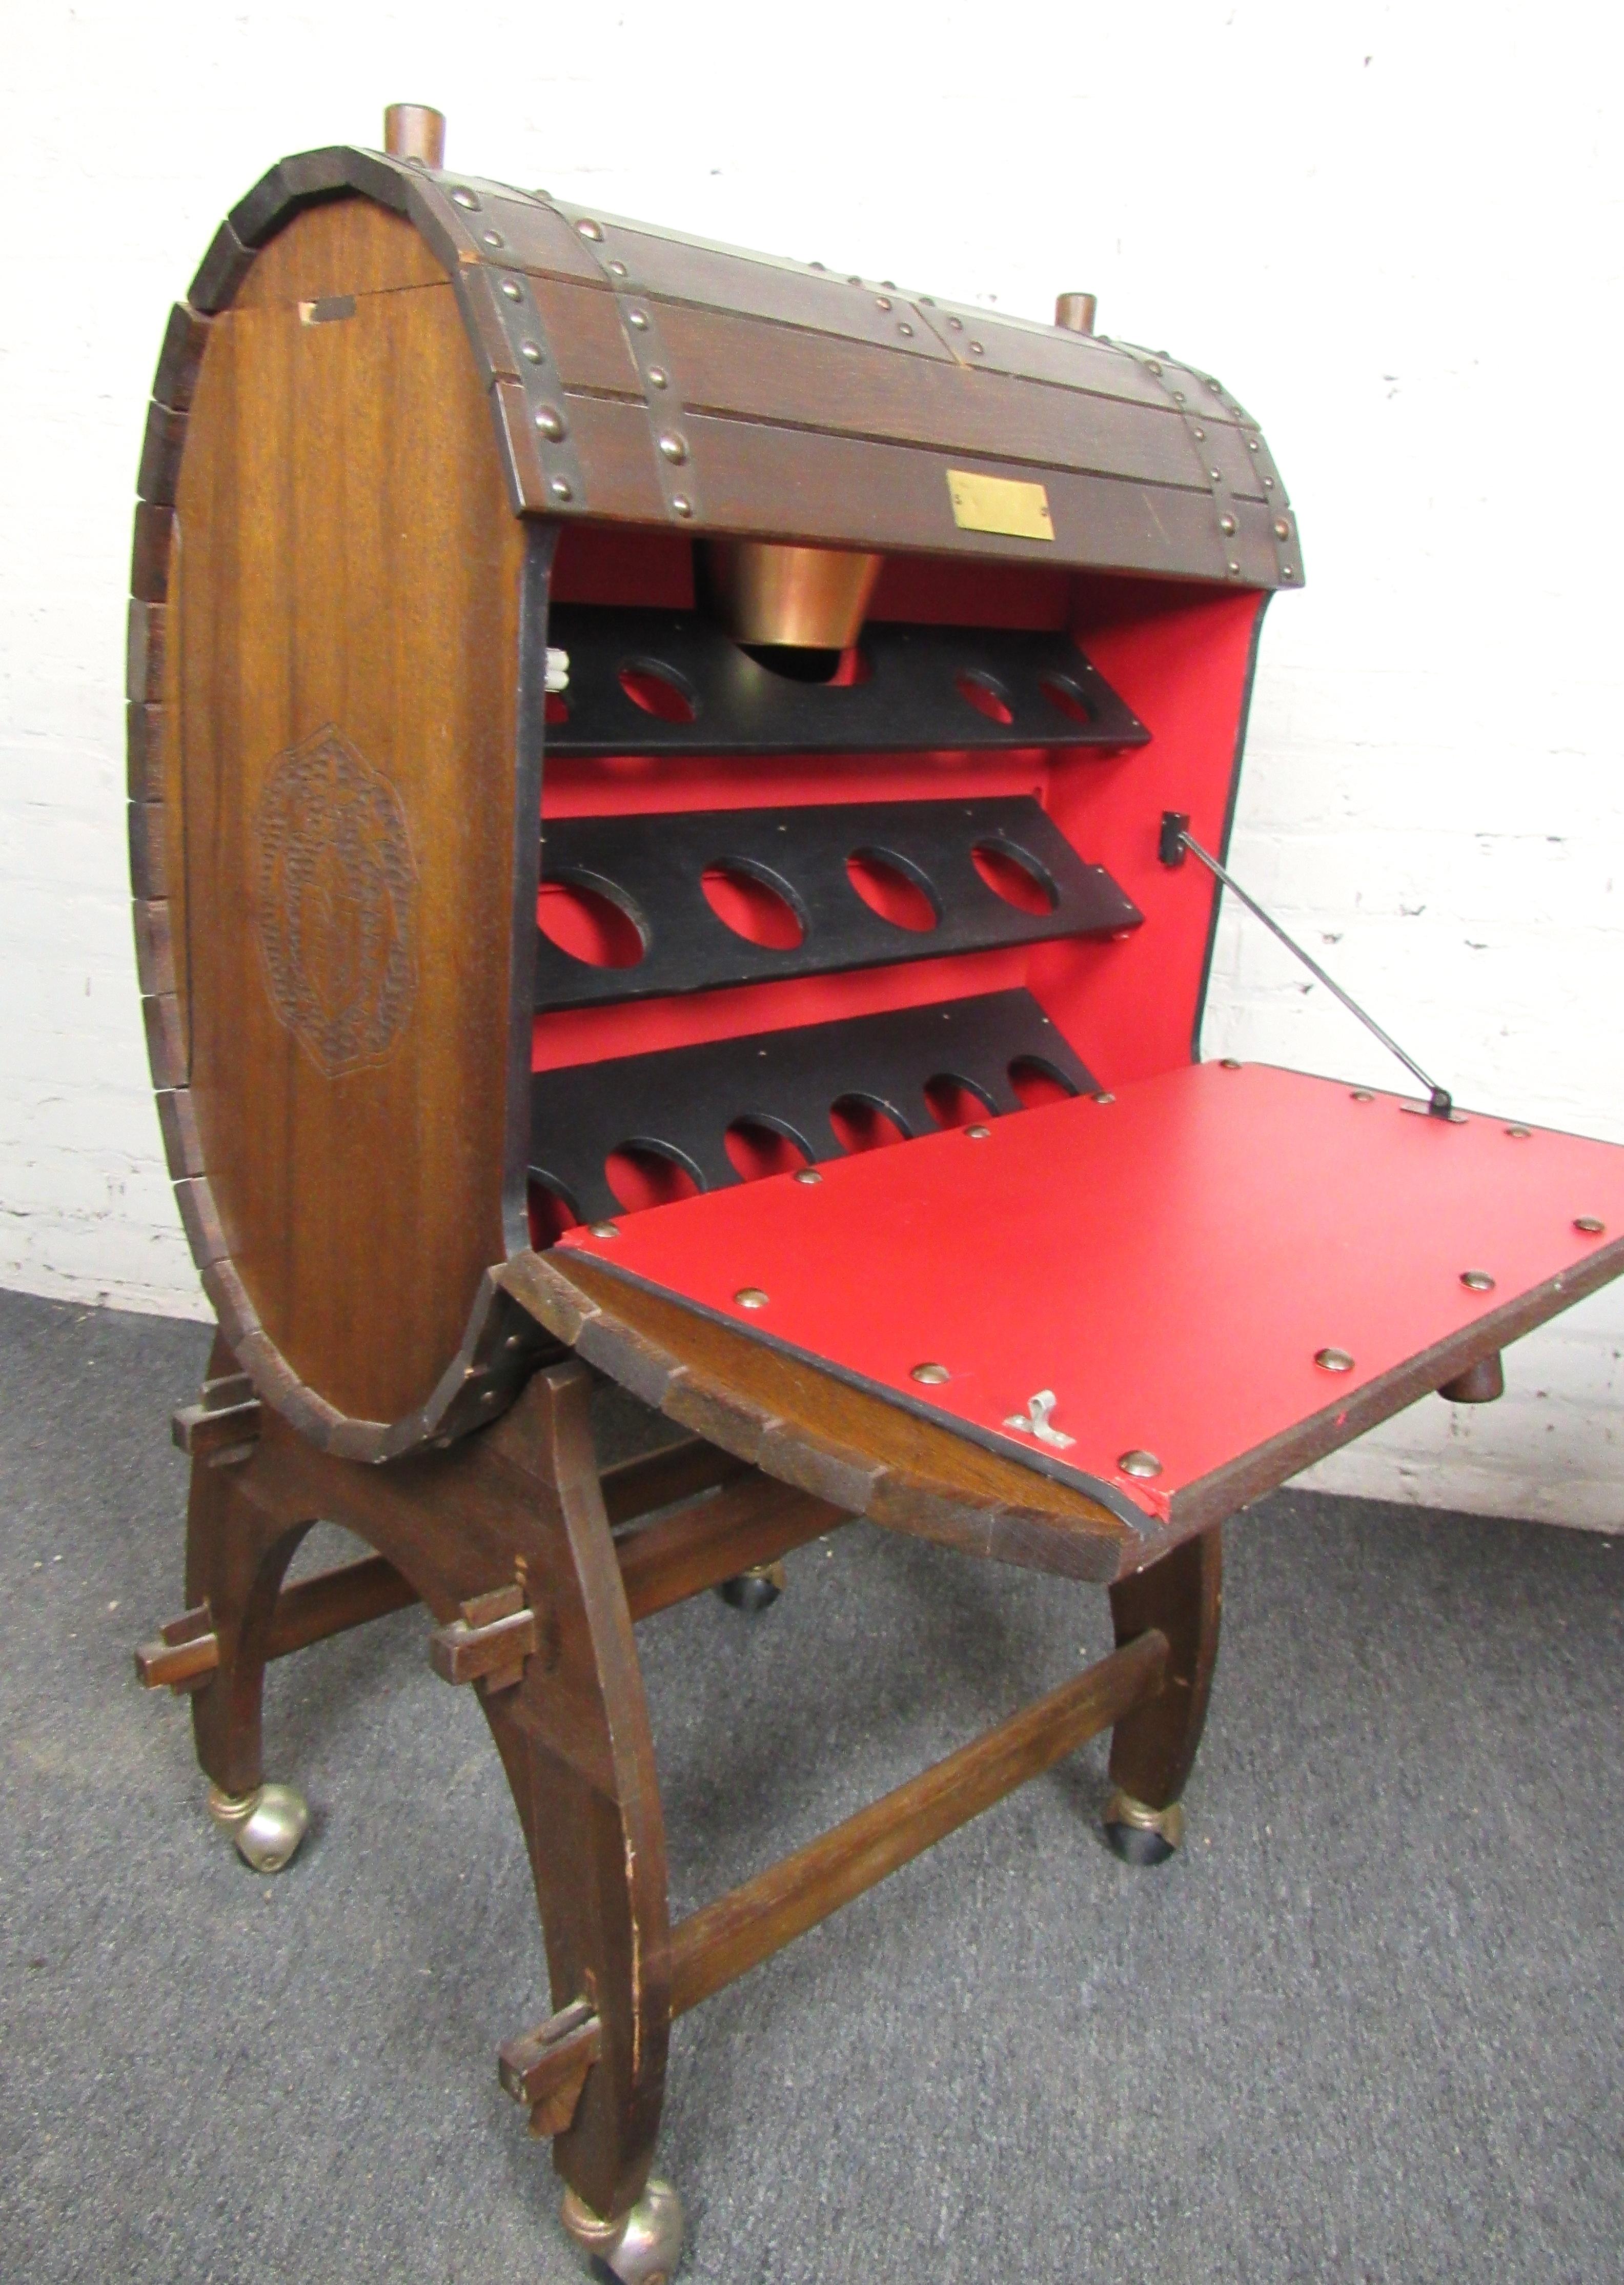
1169, 1263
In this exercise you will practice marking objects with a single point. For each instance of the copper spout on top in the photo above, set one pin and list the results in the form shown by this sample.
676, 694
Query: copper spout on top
1076, 313
415, 131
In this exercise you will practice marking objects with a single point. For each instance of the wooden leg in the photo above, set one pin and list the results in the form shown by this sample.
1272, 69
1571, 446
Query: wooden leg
514, 1517
237, 1555
1154, 1750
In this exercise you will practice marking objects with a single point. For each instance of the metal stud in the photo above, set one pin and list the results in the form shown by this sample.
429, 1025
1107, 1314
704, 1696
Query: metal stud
491, 237
1105, 1095
809, 1174
1139, 1463
1268, 483
530, 351
976, 1134
1519, 1133
1251, 443
604, 1229
932, 1374
589, 230
1286, 572
513, 290
1217, 474
750, 1297
1225, 524
1590, 1224
955, 325
1360, 1095
681, 505
975, 349
658, 378
1282, 530
1235, 570
1228, 1062
1151, 365
907, 329
1216, 386
1333, 1360
462, 198
880, 302
550, 421
617, 269
1477, 1281
1178, 397
673, 448
559, 488
638, 319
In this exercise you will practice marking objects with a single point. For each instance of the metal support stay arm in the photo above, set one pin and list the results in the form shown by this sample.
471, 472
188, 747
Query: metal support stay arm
1176, 838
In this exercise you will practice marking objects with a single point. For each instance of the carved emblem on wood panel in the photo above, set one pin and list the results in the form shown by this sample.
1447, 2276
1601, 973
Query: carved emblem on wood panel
336, 903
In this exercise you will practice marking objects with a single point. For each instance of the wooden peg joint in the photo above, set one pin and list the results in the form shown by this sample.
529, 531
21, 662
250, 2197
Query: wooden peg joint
547, 2067
186, 1652
488, 1643
225, 1416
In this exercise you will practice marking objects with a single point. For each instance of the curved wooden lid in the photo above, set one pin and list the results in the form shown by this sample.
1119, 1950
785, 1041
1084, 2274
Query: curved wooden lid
637, 376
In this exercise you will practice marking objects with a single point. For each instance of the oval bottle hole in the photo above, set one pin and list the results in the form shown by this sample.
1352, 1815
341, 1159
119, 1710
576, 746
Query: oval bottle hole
753, 905
590, 922
987, 696
894, 888
1037, 1082
1066, 696
1018, 878
862, 1124
954, 1102
659, 690
640, 1175
550, 1214
755, 1149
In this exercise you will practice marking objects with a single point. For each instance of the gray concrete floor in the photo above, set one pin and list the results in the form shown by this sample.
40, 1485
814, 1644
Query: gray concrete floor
1366, 2027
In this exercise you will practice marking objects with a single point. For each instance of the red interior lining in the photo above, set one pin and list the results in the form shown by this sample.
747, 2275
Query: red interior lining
1179, 655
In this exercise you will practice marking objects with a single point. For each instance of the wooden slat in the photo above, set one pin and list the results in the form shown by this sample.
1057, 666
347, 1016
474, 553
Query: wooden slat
747, 1523
674, 269
659, 1479
842, 491
732, 364
331, 1602
587, 337
726, 1939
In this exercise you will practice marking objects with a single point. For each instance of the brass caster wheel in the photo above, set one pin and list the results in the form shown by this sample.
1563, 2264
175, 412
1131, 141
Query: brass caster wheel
1140, 1834
642, 2247
756, 1590
267, 1825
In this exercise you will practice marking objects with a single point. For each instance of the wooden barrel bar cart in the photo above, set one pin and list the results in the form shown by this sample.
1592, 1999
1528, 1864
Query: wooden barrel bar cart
647, 769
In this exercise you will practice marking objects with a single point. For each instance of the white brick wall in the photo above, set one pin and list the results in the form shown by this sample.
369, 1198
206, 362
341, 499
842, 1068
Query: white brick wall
1394, 231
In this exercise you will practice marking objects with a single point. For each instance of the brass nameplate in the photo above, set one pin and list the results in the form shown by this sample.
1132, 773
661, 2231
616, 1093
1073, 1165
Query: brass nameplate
1019, 511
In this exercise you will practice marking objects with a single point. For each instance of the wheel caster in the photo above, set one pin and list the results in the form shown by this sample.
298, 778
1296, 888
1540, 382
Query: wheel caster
642, 2247
1140, 1834
756, 1590
267, 1825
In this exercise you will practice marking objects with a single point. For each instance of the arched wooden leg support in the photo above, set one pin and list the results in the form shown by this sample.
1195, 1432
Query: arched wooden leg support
506, 1537
1153, 1750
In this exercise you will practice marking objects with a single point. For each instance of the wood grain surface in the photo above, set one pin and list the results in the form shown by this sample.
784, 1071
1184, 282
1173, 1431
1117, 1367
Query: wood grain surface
350, 562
